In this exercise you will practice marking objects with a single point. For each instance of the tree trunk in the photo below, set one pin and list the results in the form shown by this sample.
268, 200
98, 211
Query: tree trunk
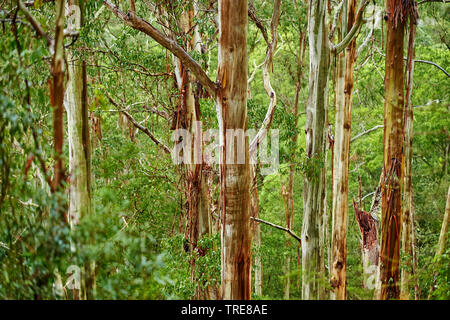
444, 228
393, 153
368, 225
344, 96
290, 190
79, 142
235, 177
314, 182
57, 95
189, 118
408, 210
256, 233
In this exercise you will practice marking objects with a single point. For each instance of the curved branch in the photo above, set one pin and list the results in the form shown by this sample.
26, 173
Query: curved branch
366, 132
433, 64
289, 231
132, 20
266, 79
336, 49
139, 126
421, 61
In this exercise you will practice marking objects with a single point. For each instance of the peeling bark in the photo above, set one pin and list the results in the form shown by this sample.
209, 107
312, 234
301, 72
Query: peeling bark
344, 96
235, 178
393, 153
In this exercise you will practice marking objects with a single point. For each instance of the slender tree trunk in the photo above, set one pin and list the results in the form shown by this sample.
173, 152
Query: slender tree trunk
79, 143
444, 228
408, 210
189, 118
393, 153
57, 95
290, 190
441, 243
78, 137
235, 177
344, 96
256, 232
314, 182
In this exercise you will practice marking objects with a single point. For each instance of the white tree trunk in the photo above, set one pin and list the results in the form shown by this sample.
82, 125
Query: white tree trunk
314, 190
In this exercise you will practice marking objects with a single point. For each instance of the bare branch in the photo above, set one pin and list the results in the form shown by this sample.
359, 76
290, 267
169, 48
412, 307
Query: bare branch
266, 79
154, 110
252, 15
421, 61
366, 132
35, 24
290, 232
428, 1
132, 20
138, 125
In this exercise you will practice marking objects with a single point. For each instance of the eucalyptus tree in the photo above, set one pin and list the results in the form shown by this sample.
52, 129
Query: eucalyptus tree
78, 124
230, 94
314, 193
397, 12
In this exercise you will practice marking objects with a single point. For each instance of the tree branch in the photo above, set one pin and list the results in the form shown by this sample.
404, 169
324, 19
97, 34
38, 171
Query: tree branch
366, 132
132, 20
421, 61
427, 1
336, 49
139, 126
266, 79
252, 15
290, 232
35, 24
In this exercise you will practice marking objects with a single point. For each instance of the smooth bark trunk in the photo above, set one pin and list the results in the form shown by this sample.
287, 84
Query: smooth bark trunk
344, 98
408, 209
313, 268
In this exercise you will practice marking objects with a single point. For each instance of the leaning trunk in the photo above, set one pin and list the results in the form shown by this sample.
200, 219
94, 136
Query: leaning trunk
234, 167
314, 181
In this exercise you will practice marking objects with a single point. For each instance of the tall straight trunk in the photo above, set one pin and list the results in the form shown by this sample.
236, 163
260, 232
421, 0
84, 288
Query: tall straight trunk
290, 191
314, 182
57, 95
189, 118
408, 210
344, 98
393, 144
235, 177
79, 147
78, 136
